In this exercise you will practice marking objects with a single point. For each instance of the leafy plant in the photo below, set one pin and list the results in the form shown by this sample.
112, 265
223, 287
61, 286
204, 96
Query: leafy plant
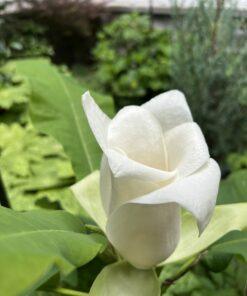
22, 37
133, 59
14, 96
208, 65
199, 280
35, 170
237, 161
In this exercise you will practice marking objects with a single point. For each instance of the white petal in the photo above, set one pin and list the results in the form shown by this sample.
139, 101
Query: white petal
145, 235
135, 131
146, 230
186, 148
105, 184
170, 108
196, 193
122, 166
98, 120
133, 182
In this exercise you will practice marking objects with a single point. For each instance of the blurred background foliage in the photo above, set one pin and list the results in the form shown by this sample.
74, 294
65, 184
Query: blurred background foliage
133, 59
203, 53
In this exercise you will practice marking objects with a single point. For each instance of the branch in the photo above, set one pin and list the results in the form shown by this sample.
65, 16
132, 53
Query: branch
68, 292
187, 266
219, 8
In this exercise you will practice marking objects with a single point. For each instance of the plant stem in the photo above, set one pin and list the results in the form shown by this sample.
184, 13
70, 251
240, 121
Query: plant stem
219, 8
69, 292
93, 228
187, 266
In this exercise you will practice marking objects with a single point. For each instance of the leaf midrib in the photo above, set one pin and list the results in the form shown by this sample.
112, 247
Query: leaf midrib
77, 123
21, 233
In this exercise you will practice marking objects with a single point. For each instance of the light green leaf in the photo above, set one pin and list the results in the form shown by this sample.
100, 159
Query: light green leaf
35, 170
122, 279
55, 109
88, 195
14, 92
225, 219
38, 244
234, 242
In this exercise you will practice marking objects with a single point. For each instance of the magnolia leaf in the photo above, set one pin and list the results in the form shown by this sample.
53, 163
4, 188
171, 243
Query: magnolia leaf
122, 279
234, 242
36, 245
55, 109
88, 195
217, 261
225, 219
234, 188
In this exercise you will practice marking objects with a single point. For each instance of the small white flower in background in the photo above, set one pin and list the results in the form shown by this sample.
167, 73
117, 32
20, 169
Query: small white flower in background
155, 161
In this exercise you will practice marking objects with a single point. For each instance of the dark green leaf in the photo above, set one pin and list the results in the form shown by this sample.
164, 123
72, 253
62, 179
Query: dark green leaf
234, 188
216, 261
234, 242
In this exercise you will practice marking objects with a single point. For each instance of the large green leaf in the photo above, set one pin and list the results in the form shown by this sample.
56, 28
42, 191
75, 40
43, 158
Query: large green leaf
38, 244
234, 242
225, 219
55, 109
122, 279
88, 195
234, 188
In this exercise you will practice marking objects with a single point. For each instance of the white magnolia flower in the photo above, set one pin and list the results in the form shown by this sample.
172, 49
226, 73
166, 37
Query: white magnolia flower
155, 161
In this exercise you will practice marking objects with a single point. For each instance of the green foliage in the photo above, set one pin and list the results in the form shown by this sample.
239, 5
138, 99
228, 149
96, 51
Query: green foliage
234, 188
216, 261
202, 282
123, 279
234, 242
55, 109
22, 37
133, 59
209, 64
35, 170
237, 161
14, 95
13, 92
37, 245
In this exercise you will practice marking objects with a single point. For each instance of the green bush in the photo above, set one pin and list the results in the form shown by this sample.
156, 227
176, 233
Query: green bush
133, 59
21, 37
209, 64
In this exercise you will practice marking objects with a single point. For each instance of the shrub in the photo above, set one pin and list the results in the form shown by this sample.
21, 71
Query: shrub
133, 59
22, 37
209, 63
